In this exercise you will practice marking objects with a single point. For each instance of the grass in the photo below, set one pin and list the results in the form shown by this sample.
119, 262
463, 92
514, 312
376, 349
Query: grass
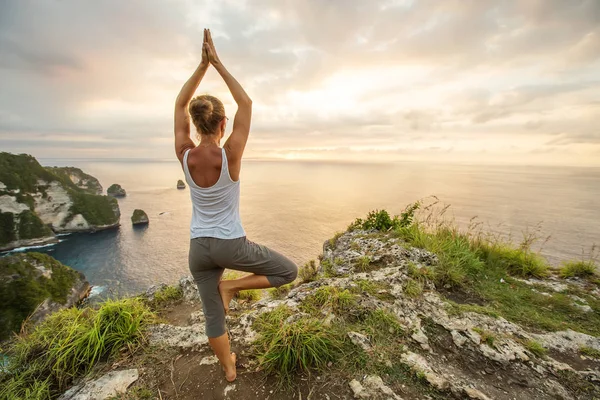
580, 269
249, 295
487, 337
362, 263
376, 289
281, 291
69, 343
334, 239
590, 352
536, 348
285, 348
476, 269
308, 272
329, 270
20, 297
165, 296
413, 288
337, 299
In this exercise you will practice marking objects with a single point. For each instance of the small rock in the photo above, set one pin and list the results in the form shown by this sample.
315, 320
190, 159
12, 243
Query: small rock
183, 337
360, 340
420, 337
152, 290
139, 217
180, 184
458, 339
115, 190
209, 360
107, 386
372, 388
189, 289
475, 394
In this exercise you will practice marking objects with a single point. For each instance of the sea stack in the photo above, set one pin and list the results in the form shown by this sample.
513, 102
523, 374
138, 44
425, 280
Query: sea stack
180, 184
115, 190
139, 217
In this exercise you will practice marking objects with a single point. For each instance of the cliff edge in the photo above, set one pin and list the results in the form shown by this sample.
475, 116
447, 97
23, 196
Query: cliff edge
37, 202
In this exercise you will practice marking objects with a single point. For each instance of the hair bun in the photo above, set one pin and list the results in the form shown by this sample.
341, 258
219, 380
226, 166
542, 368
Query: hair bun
207, 112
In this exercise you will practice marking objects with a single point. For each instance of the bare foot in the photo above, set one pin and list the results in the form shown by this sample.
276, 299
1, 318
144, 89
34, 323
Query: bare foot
226, 294
231, 374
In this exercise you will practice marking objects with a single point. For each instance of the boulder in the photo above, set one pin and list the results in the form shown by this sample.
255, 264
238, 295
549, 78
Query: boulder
115, 190
180, 184
105, 387
139, 217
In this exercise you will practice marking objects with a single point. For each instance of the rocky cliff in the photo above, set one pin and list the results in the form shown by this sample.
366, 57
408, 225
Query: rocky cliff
37, 202
392, 310
34, 285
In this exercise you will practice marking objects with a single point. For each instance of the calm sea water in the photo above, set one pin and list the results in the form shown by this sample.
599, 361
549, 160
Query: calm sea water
294, 207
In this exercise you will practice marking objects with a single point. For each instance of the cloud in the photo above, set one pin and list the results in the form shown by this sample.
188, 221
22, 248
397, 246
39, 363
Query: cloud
435, 75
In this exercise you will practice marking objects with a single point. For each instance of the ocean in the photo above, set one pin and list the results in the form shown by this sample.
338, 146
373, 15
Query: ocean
294, 206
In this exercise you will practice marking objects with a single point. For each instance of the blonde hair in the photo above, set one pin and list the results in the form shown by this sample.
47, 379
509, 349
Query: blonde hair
206, 112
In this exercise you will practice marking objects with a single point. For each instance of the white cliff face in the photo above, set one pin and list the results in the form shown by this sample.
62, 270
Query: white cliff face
11, 205
2, 186
54, 209
78, 223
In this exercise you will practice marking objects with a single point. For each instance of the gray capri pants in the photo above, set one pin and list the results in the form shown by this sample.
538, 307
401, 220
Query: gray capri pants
208, 259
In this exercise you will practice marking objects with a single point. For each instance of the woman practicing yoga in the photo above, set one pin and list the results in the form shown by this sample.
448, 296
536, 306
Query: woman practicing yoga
218, 240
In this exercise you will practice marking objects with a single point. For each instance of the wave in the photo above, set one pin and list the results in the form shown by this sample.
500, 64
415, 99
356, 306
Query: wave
27, 248
96, 290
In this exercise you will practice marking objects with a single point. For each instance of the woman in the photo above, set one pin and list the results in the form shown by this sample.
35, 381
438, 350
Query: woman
218, 240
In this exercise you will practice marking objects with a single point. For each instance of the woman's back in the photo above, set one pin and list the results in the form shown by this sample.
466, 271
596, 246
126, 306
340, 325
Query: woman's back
215, 196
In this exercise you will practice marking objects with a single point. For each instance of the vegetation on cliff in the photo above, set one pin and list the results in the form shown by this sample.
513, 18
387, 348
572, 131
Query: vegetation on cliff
69, 344
406, 306
24, 179
139, 217
26, 280
83, 181
116, 190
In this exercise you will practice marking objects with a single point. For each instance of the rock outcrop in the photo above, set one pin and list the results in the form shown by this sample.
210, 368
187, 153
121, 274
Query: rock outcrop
180, 184
139, 217
462, 355
83, 181
115, 190
37, 202
35, 285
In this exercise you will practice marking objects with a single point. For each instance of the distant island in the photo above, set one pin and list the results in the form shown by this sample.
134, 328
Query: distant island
36, 202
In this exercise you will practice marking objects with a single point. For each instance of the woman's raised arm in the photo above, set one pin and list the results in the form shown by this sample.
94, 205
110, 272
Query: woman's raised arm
182, 117
241, 123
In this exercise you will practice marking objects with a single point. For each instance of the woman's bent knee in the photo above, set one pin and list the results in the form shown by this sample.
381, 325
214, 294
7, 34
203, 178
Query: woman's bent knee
288, 274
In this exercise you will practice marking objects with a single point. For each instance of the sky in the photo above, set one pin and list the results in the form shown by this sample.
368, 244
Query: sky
468, 81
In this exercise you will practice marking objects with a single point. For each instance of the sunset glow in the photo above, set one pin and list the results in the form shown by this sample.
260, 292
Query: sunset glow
514, 82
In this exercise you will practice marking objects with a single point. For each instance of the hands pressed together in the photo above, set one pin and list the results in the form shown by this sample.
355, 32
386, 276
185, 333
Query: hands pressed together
209, 54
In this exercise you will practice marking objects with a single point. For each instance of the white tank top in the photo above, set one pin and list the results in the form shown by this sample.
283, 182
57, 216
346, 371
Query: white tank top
215, 209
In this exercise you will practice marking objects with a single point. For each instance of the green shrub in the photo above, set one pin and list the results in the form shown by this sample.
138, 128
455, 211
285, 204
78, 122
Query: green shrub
69, 343
536, 348
7, 228
581, 269
381, 220
21, 296
520, 262
308, 272
286, 348
31, 226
